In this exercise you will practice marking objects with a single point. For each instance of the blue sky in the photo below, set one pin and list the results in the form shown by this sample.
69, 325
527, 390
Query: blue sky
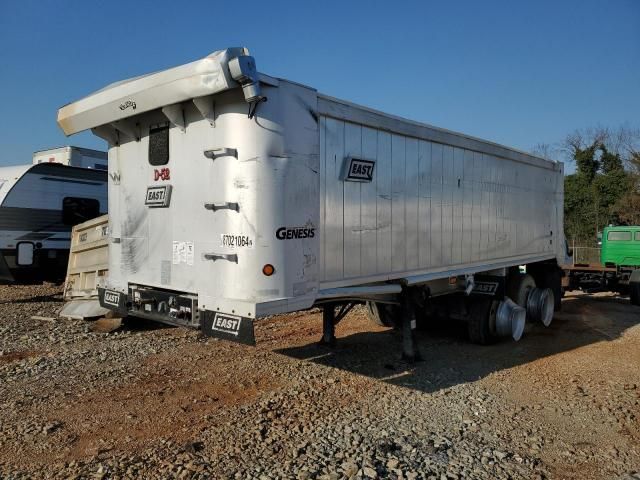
515, 72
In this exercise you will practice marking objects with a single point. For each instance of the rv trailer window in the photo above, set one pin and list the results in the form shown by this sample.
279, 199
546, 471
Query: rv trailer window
159, 145
76, 210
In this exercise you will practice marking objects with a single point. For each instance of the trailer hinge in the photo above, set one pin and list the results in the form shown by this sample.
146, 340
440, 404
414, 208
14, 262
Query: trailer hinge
221, 152
222, 206
230, 257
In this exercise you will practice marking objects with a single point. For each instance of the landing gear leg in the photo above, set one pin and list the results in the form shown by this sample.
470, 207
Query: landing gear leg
330, 318
410, 352
328, 325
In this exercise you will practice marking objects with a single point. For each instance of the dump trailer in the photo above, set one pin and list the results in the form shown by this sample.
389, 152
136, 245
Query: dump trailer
619, 267
235, 195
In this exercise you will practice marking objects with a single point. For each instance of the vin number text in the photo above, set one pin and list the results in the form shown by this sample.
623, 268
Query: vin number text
234, 241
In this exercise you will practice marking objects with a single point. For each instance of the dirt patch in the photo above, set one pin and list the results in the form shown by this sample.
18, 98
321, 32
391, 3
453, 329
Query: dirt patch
9, 357
106, 325
152, 402
174, 398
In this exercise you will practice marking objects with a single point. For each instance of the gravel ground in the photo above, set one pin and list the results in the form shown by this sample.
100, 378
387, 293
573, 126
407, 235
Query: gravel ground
101, 400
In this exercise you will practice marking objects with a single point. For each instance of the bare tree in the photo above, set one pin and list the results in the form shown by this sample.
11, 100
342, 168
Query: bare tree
628, 209
623, 141
545, 150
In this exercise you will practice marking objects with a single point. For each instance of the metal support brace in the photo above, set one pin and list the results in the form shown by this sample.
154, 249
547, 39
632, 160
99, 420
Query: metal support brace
328, 325
129, 128
207, 108
175, 114
330, 319
106, 132
410, 350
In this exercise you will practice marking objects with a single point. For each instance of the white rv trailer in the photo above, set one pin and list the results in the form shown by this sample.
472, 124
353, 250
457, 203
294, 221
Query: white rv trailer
73, 157
39, 204
234, 195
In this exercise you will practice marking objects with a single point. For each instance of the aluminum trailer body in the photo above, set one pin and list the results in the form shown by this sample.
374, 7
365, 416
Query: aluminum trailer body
39, 204
225, 207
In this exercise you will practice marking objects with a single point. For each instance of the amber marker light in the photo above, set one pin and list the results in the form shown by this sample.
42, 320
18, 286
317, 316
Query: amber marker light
268, 270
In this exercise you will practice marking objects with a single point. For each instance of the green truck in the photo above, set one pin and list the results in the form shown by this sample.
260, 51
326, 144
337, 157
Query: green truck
619, 267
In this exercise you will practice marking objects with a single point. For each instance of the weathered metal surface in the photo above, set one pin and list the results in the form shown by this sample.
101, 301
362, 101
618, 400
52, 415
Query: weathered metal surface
149, 92
87, 269
83, 309
88, 259
430, 207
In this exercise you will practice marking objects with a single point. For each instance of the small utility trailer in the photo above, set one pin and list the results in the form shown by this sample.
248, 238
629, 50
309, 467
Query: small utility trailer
234, 195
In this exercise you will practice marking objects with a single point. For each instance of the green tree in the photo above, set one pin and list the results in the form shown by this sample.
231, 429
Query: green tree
586, 162
595, 195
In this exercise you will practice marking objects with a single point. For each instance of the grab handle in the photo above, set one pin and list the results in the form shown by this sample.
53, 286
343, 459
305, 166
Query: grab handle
230, 257
222, 206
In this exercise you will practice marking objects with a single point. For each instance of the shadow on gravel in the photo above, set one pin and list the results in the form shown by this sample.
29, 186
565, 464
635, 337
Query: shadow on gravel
128, 324
449, 359
55, 298
135, 324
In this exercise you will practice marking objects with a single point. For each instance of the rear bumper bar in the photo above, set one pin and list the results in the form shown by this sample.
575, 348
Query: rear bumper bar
180, 309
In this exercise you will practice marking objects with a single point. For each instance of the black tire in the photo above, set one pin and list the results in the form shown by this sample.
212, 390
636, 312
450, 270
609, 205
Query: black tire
553, 280
634, 293
518, 288
383, 314
479, 325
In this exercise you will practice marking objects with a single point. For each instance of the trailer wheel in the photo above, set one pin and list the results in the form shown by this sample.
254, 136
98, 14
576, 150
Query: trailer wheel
481, 323
553, 280
519, 287
634, 293
383, 314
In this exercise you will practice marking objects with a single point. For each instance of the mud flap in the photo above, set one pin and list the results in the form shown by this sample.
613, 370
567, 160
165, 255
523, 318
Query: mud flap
116, 301
228, 327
